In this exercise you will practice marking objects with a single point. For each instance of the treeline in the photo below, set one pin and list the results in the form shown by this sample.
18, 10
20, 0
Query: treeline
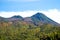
23, 31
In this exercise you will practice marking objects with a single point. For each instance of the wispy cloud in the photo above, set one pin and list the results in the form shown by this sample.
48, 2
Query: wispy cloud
51, 13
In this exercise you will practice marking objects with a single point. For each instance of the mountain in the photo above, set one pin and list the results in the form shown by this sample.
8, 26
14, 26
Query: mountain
15, 18
36, 19
40, 17
2, 19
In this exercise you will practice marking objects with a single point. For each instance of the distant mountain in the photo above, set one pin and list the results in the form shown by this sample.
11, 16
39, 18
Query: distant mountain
36, 19
41, 18
2, 19
15, 18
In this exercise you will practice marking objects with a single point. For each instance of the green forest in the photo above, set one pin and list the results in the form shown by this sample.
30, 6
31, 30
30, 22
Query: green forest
23, 31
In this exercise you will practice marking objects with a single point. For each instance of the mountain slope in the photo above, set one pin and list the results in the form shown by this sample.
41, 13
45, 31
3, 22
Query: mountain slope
39, 17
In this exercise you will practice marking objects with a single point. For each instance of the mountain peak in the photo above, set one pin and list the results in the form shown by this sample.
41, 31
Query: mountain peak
39, 16
38, 13
16, 16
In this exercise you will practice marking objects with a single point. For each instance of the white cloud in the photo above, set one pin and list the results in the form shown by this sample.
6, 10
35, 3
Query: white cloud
54, 14
23, 13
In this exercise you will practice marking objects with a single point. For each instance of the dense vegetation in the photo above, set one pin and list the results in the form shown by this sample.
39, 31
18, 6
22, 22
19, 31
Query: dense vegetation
23, 31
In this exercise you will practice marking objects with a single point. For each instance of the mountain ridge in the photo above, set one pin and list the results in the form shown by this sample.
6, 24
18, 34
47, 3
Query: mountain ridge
36, 19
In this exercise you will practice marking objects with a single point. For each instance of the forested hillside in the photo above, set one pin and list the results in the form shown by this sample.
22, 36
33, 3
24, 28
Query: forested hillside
23, 31
36, 27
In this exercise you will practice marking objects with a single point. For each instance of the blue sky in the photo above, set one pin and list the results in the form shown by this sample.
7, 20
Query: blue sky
22, 5
25, 8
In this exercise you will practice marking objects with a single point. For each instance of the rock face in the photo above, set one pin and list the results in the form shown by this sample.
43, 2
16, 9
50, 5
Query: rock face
36, 19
